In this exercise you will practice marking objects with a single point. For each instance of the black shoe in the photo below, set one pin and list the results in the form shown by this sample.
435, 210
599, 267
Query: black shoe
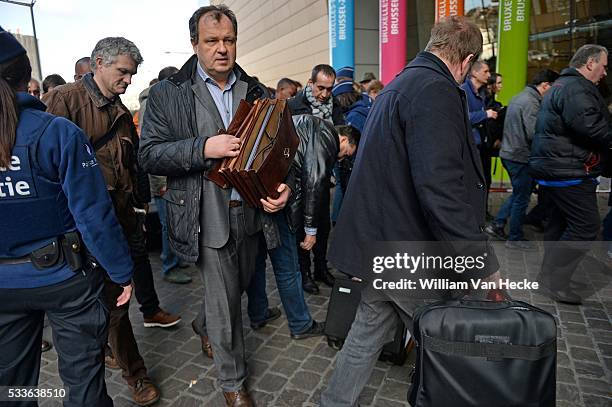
309, 285
564, 296
316, 329
324, 276
496, 231
271, 314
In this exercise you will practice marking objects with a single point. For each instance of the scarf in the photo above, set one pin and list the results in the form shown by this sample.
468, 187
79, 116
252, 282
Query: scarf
321, 110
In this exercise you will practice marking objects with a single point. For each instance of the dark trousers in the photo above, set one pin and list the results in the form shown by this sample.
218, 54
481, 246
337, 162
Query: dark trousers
121, 337
319, 250
574, 218
78, 320
144, 287
541, 211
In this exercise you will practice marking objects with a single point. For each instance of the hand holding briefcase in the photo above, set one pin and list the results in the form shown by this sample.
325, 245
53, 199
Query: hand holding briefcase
268, 143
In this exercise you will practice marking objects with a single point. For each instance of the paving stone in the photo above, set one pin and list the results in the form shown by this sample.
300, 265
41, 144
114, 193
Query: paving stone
367, 395
594, 386
589, 369
292, 398
316, 364
266, 354
595, 314
572, 328
325, 351
565, 375
583, 354
597, 401
298, 352
257, 368
177, 359
189, 372
563, 359
285, 367
606, 350
304, 380
203, 387
262, 399
394, 390
568, 393
572, 317
171, 388
279, 341
382, 402
599, 324
187, 401
584, 341
271, 383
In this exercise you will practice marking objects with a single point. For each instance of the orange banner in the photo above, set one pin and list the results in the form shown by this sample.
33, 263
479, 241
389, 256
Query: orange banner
445, 8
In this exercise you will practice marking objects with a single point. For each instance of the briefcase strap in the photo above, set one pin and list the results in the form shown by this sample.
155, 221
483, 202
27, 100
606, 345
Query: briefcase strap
489, 350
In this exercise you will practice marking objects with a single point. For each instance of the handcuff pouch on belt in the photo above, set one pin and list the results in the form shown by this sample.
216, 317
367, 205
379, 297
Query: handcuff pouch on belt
68, 248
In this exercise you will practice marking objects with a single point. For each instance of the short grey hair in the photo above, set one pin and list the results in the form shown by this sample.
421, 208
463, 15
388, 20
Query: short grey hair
111, 47
581, 57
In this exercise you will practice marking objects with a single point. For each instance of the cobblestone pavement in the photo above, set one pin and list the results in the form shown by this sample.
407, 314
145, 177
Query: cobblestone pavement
284, 372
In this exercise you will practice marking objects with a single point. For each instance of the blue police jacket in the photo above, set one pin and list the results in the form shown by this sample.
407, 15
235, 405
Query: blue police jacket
52, 186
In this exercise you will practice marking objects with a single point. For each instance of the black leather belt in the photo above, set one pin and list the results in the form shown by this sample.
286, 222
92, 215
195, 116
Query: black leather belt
235, 204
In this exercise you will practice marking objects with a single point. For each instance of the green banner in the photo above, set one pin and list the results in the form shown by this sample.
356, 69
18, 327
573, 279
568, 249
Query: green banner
512, 45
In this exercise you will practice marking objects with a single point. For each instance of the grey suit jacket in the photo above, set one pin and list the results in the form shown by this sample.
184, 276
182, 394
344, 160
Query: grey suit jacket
180, 117
214, 213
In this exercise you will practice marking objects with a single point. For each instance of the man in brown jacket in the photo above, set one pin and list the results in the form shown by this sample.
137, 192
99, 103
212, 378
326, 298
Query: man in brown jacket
93, 104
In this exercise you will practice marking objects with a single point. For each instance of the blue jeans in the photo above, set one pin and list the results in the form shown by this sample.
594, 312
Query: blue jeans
516, 204
288, 280
169, 259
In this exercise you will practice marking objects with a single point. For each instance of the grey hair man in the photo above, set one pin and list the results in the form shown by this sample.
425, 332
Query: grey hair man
93, 103
572, 136
436, 194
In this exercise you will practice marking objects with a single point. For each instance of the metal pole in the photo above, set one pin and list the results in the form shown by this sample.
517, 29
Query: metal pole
35, 40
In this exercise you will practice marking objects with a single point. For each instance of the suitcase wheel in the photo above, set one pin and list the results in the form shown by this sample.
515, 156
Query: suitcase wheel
335, 343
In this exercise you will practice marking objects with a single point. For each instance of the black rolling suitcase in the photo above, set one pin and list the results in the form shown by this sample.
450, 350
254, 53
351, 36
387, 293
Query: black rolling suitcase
484, 353
343, 302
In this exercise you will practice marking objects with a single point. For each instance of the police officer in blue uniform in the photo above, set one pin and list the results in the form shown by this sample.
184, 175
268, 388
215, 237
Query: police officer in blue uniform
54, 208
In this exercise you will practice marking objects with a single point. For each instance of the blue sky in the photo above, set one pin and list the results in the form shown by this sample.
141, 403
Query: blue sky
68, 30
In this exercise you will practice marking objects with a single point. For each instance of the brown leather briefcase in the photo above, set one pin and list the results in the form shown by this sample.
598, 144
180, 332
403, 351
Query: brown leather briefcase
268, 144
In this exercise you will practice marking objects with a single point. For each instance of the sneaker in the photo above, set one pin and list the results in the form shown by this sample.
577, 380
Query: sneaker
162, 320
176, 276
524, 245
271, 314
496, 231
144, 392
317, 329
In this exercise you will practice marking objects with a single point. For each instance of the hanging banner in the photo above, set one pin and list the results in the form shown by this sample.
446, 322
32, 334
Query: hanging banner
512, 45
342, 33
392, 38
447, 8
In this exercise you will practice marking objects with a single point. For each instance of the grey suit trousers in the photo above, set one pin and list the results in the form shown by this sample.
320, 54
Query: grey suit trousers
226, 273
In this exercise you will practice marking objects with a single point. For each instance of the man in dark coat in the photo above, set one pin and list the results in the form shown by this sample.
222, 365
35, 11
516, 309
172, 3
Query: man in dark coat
572, 134
417, 177
316, 99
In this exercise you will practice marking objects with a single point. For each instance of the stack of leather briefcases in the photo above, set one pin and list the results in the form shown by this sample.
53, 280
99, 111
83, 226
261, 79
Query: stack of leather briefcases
268, 144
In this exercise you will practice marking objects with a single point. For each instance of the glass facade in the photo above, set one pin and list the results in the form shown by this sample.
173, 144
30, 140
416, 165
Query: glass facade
558, 29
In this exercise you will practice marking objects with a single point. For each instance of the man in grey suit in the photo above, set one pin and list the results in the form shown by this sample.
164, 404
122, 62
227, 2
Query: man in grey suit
182, 138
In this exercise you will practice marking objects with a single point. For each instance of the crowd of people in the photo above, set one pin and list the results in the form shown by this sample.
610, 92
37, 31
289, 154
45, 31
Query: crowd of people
78, 176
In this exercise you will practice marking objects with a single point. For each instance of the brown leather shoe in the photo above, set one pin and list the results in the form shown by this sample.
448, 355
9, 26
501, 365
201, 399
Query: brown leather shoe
144, 392
162, 320
110, 362
45, 346
240, 398
206, 347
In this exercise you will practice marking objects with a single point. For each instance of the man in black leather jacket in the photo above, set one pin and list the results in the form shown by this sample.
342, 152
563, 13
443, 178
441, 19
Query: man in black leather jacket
321, 145
572, 134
